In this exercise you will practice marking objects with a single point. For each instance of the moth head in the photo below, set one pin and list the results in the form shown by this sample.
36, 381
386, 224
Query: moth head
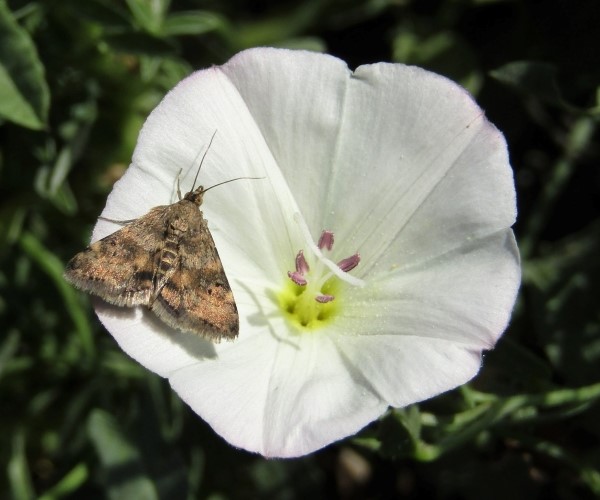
196, 196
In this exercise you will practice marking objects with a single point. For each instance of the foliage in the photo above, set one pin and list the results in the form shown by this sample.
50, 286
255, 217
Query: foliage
81, 419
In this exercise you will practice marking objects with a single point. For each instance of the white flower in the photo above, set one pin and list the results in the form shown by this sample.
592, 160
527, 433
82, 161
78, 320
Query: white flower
402, 166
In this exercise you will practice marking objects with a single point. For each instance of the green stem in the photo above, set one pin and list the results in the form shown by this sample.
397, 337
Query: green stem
511, 410
577, 141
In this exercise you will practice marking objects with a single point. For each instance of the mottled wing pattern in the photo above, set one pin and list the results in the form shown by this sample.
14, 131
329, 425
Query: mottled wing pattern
167, 261
197, 298
120, 267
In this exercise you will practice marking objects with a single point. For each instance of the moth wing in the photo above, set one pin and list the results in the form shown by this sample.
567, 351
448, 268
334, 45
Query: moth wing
197, 298
120, 267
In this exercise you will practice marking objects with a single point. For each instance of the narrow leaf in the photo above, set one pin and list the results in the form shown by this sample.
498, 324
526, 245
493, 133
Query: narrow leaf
191, 23
24, 93
124, 473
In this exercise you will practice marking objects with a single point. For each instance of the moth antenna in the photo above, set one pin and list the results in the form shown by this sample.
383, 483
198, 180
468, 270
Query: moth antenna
122, 222
178, 186
230, 180
202, 160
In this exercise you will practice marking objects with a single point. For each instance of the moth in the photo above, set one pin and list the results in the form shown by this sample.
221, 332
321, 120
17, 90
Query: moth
166, 261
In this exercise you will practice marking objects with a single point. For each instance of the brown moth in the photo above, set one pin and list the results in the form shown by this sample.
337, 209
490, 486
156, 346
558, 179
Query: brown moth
167, 261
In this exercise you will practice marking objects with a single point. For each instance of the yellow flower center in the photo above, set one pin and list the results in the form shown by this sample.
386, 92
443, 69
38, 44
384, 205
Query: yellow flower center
300, 307
311, 297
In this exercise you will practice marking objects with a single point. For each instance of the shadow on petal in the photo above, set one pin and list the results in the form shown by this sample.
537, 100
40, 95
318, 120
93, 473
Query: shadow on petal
196, 346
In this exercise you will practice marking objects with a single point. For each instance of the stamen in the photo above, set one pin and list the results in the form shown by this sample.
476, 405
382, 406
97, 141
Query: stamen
312, 300
326, 240
297, 278
301, 264
349, 263
323, 299
348, 278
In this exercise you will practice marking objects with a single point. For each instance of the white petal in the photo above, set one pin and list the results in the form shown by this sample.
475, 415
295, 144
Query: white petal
421, 179
297, 99
431, 323
389, 153
404, 370
465, 296
281, 398
147, 340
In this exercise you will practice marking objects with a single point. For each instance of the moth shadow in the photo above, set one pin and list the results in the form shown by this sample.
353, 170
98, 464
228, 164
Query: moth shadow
261, 318
137, 319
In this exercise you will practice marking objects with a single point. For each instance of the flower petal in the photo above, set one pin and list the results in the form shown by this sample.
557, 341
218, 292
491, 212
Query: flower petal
387, 150
404, 370
432, 172
297, 99
434, 319
465, 296
283, 398
146, 339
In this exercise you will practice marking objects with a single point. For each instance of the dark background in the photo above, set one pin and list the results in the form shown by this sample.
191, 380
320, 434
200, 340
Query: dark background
79, 419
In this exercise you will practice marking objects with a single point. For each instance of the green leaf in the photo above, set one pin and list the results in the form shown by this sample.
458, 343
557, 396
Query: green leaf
443, 52
17, 469
12, 218
53, 267
111, 16
270, 30
532, 78
24, 93
563, 290
71, 482
140, 44
121, 462
149, 14
398, 432
165, 73
50, 180
8, 349
192, 23
539, 80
